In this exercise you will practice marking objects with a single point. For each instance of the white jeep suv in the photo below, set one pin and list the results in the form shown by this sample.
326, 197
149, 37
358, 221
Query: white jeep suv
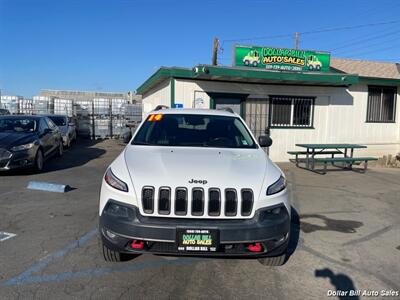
195, 182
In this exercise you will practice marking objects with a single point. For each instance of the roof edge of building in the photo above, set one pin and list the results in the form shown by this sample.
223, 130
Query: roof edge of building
210, 72
366, 60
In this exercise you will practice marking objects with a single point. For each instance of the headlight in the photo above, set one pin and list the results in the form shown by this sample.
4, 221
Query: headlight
276, 187
118, 210
23, 147
115, 182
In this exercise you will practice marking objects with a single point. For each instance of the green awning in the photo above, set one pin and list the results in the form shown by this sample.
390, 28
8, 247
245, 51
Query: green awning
248, 75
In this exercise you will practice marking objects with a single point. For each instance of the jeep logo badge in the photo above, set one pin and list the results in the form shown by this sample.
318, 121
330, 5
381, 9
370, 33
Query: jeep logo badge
198, 181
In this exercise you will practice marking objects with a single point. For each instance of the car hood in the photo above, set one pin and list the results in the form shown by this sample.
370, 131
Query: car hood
178, 166
11, 139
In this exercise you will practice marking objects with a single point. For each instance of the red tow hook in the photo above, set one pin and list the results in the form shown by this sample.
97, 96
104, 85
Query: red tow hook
138, 245
256, 247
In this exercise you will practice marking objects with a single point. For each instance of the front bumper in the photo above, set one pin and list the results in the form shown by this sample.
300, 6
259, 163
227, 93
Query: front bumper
159, 234
19, 159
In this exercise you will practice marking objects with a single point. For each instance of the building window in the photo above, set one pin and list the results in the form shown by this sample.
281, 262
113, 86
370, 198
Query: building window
381, 106
292, 111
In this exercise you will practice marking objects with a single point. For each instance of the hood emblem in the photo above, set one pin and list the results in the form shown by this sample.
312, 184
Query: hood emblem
197, 181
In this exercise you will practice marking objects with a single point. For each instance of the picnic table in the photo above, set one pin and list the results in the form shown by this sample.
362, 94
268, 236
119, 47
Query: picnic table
316, 149
347, 150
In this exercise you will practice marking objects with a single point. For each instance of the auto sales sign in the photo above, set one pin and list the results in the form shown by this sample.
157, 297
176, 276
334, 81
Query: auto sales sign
281, 59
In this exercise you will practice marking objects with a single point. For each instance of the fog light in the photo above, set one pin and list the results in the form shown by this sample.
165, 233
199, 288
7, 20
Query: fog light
24, 162
117, 210
276, 211
282, 239
110, 234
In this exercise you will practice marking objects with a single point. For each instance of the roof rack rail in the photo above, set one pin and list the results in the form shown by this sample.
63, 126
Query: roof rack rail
160, 107
228, 109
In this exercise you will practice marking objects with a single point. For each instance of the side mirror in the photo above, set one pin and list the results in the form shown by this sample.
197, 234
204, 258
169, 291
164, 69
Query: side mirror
264, 141
47, 131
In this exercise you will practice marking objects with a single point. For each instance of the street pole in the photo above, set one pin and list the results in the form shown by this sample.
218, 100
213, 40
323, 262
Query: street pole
297, 40
215, 52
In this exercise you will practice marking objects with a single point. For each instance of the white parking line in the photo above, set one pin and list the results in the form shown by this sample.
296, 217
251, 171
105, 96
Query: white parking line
6, 235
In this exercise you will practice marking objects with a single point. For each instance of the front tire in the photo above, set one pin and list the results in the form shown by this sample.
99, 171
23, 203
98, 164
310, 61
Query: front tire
273, 261
60, 150
39, 161
111, 255
279, 260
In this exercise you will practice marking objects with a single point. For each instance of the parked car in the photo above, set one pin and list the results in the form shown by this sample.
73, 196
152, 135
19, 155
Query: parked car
195, 182
28, 141
67, 128
4, 112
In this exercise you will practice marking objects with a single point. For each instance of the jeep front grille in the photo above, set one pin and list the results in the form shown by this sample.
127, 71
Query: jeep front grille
181, 201
214, 202
148, 200
197, 202
164, 201
230, 202
247, 202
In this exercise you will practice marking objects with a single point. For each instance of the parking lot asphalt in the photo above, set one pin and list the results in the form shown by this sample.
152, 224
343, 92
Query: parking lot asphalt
345, 236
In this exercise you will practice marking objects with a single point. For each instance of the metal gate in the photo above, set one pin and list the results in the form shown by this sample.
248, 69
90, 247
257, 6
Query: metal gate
257, 115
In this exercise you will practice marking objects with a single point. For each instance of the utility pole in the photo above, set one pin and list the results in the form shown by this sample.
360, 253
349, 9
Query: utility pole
297, 40
215, 51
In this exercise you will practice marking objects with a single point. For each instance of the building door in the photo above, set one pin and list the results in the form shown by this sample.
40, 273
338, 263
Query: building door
256, 115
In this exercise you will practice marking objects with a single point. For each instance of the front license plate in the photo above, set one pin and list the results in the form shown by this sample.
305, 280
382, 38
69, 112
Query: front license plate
197, 240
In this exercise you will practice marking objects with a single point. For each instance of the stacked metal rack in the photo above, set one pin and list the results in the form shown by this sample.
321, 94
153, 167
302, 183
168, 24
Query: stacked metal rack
84, 116
64, 107
95, 118
11, 103
43, 105
106, 118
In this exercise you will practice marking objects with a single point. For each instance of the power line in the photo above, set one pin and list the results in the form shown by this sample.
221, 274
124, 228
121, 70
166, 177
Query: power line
311, 32
367, 46
360, 41
375, 51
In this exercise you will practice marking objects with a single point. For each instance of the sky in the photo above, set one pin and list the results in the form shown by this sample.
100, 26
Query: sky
115, 45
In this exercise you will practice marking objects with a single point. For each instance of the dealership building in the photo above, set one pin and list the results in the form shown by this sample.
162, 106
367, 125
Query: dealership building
296, 96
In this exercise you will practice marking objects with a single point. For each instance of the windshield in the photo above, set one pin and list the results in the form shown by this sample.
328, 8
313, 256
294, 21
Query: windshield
194, 131
59, 121
18, 125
